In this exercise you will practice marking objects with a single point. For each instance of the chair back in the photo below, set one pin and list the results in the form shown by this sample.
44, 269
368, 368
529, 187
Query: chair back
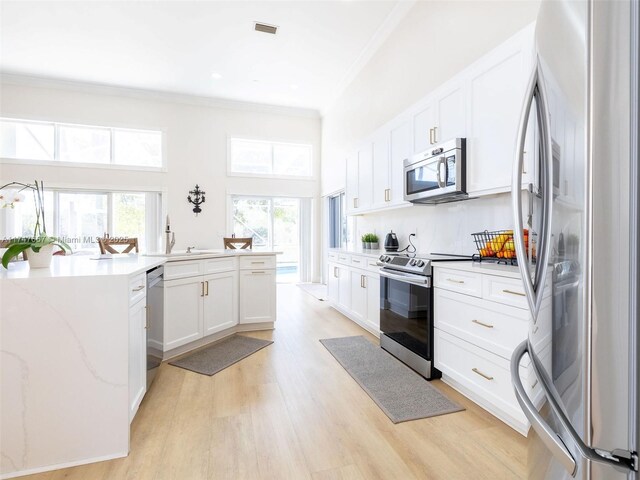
233, 243
106, 244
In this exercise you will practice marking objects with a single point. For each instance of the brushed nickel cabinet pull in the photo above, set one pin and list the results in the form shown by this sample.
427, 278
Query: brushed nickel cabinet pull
361, 281
435, 134
513, 293
202, 289
478, 322
253, 263
431, 136
534, 384
483, 375
206, 284
355, 261
259, 272
453, 280
138, 288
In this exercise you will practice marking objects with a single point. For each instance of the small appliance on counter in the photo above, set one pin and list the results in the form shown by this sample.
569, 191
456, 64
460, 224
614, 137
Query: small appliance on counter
391, 242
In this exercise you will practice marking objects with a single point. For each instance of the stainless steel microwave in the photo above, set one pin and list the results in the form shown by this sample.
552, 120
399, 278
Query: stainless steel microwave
437, 175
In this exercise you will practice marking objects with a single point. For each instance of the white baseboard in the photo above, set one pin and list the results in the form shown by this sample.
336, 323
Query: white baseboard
58, 466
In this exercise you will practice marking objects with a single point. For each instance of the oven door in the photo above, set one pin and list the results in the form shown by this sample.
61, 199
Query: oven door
406, 306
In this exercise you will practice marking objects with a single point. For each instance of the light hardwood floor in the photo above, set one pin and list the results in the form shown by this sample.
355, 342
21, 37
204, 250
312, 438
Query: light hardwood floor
290, 411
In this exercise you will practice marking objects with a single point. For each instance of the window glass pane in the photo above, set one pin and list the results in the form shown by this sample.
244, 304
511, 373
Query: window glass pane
251, 218
82, 218
286, 236
129, 216
137, 147
25, 140
18, 213
292, 159
84, 144
249, 156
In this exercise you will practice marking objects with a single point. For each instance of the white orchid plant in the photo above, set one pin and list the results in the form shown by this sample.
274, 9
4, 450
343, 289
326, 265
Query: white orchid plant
14, 194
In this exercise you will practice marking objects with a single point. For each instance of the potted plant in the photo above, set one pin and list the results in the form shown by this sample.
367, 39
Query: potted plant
39, 247
373, 241
365, 240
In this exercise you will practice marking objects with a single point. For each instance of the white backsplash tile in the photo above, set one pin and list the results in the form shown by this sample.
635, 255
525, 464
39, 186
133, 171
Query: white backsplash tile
444, 228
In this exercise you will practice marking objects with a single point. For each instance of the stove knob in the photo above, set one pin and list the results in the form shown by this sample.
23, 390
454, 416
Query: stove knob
381, 258
388, 259
412, 262
420, 263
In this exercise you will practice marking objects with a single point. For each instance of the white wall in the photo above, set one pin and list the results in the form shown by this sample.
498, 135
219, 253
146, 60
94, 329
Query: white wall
196, 148
436, 40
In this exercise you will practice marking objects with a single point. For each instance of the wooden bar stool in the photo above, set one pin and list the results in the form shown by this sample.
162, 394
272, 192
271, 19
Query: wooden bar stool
232, 243
106, 243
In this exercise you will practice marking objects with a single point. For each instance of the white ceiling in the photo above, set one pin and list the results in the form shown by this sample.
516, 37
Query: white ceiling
177, 46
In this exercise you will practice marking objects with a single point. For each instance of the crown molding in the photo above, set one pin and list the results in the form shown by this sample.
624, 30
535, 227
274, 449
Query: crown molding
154, 95
373, 45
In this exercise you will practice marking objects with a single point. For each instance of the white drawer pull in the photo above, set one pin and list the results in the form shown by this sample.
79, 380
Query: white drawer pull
453, 280
514, 293
484, 375
478, 322
137, 289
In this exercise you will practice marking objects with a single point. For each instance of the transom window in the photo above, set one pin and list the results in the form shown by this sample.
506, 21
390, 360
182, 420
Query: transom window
258, 157
79, 144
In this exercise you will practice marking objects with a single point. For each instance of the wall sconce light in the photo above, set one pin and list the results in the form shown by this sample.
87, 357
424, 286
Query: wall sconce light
196, 197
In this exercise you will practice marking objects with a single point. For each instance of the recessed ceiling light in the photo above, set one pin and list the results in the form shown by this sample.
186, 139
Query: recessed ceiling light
216, 76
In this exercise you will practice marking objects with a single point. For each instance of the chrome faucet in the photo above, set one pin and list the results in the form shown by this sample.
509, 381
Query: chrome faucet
189, 249
169, 237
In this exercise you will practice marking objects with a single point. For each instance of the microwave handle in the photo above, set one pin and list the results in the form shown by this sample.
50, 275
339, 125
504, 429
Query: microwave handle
441, 162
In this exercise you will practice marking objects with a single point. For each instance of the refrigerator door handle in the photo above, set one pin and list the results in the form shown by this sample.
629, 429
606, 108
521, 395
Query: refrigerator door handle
620, 459
548, 436
533, 288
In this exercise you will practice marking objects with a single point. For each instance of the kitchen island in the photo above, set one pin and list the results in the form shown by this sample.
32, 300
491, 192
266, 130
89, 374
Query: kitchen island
73, 349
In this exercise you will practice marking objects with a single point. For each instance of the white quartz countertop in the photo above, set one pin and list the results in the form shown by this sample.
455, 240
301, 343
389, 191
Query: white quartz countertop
179, 255
83, 266
358, 251
511, 271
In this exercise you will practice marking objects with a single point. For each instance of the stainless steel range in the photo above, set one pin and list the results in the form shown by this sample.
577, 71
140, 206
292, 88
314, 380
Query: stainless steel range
406, 309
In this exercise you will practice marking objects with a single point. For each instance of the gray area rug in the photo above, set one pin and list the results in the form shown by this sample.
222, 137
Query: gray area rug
400, 392
318, 290
219, 356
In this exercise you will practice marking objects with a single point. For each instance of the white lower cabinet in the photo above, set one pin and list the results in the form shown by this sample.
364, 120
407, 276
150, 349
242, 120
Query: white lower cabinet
355, 292
182, 311
479, 320
220, 303
257, 296
137, 355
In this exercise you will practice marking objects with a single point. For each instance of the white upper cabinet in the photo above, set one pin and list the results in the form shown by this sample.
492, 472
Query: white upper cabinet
381, 169
351, 192
482, 104
497, 86
400, 148
423, 124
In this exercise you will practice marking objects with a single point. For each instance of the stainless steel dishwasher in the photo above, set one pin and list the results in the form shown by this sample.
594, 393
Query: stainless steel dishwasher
155, 321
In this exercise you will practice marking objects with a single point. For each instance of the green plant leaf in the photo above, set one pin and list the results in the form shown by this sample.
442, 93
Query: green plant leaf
13, 251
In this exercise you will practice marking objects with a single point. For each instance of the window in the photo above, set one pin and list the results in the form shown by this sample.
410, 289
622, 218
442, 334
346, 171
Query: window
275, 224
79, 144
255, 157
81, 217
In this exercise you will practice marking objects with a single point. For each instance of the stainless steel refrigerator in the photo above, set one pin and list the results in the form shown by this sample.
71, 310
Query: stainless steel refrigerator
581, 250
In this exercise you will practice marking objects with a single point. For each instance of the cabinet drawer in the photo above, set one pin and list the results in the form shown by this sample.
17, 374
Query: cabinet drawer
509, 291
497, 328
344, 259
257, 261
175, 270
358, 261
372, 266
137, 288
332, 257
217, 265
469, 283
481, 372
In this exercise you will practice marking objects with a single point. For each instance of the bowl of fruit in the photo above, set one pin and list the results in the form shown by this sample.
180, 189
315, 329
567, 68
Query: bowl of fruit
498, 244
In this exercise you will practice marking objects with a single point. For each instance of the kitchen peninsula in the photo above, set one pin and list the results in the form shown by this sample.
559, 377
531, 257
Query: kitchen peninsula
74, 342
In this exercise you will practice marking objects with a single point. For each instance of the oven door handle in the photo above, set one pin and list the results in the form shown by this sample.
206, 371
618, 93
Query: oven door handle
415, 280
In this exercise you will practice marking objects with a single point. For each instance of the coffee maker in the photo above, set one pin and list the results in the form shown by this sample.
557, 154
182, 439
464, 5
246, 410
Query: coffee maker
391, 242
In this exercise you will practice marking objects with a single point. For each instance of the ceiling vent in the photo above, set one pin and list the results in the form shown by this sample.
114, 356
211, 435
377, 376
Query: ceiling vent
266, 28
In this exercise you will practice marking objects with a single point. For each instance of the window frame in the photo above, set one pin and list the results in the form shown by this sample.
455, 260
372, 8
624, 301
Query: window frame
232, 173
108, 166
